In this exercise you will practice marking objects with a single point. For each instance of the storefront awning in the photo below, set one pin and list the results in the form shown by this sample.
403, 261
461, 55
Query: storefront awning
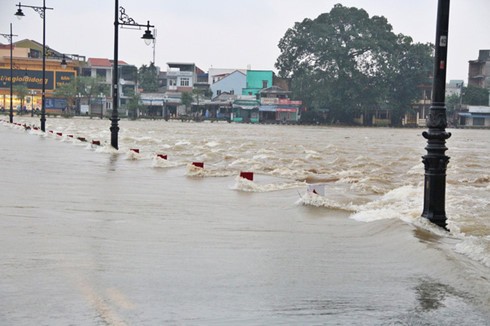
471, 115
277, 108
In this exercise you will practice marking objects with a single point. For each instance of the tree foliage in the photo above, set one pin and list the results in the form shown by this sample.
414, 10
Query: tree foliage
148, 78
473, 95
86, 87
348, 62
134, 105
186, 99
21, 91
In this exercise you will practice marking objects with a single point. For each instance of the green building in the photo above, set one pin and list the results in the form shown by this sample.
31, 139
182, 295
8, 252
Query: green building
257, 80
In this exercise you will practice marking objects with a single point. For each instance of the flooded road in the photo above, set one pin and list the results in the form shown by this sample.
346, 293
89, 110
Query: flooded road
93, 236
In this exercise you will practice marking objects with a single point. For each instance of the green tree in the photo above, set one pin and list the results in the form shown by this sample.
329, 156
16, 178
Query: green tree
473, 95
148, 78
85, 86
410, 65
348, 63
134, 106
452, 103
21, 91
91, 88
67, 91
186, 100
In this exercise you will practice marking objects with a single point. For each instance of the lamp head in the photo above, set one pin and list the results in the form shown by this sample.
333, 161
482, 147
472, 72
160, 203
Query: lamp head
19, 12
63, 62
148, 36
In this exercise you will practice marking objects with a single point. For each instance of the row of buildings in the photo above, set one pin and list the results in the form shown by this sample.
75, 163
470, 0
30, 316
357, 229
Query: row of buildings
240, 95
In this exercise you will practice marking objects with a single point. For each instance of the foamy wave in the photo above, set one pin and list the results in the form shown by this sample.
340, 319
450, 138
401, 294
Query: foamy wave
403, 203
286, 172
479, 180
106, 148
212, 144
476, 248
417, 170
195, 171
311, 199
132, 155
246, 185
163, 163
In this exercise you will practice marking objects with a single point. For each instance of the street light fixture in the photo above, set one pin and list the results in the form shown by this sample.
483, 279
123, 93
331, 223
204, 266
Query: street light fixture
9, 38
124, 20
42, 12
63, 62
436, 161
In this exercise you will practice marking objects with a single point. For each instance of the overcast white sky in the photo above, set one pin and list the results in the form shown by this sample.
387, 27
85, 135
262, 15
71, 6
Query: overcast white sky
231, 33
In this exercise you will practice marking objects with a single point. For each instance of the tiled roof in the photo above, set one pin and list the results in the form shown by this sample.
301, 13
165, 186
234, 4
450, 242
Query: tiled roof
99, 62
103, 62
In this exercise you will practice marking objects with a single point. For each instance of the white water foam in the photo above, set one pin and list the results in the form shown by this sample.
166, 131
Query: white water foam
476, 248
242, 184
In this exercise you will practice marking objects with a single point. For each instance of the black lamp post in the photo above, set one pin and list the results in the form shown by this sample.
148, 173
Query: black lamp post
42, 12
121, 18
436, 161
9, 38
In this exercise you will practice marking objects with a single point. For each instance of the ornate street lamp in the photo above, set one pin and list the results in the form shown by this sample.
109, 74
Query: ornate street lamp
436, 161
124, 20
42, 12
9, 38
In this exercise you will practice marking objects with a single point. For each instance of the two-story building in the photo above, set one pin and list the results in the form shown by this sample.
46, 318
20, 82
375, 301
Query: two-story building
231, 83
27, 71
102, 70
181, 77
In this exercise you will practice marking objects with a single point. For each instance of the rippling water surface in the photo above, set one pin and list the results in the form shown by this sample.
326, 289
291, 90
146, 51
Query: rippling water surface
125, 238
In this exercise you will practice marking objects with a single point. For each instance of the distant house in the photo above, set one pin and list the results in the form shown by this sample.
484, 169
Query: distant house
181, 77
476, 116
246, 109
276, 106
215, 74
231, 83
102, 70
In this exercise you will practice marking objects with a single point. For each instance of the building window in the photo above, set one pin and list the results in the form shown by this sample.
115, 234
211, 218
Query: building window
218, 92
86, 72
184, 81
172, 82
101, 73
264, 84
478, 121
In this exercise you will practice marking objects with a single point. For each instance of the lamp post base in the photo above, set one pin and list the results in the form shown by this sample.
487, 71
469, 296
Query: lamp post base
114, 132
43, 122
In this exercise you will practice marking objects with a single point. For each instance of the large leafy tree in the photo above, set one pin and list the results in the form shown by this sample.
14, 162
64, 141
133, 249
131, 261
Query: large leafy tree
348, 62
148, 78
410, 66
